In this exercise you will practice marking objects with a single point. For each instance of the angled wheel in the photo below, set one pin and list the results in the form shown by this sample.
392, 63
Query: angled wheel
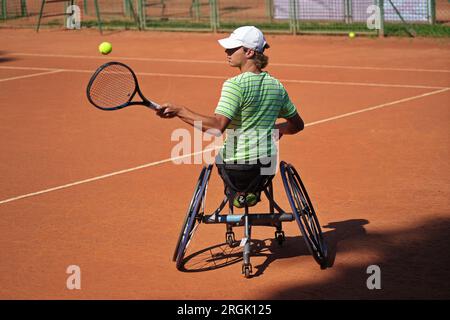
193, 216
304, 213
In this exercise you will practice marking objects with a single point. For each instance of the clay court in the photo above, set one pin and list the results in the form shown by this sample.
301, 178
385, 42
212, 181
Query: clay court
96, 189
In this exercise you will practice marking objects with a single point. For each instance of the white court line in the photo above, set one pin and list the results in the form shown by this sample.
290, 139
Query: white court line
362, 84
28, 68
376, 107
223, 62
178, 75
31, 75
211, 149
151, 164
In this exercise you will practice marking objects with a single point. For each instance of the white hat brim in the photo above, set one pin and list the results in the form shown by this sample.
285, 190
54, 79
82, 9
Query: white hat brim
228, 43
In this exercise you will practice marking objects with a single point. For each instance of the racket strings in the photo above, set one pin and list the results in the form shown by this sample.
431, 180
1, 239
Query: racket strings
113, 86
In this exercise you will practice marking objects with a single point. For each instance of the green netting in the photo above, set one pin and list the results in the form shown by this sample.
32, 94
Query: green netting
27, 13
443, 11
114, 11
193, 14
289, 16
250, 10
177, 10
12, 9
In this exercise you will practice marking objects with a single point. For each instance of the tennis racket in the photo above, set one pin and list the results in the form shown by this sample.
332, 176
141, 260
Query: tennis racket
113, 86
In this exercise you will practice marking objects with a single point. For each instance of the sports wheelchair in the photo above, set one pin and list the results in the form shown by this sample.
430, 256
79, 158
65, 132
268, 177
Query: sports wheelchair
302, 212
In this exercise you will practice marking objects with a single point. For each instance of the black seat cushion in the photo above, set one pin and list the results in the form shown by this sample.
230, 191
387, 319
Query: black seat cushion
244, 178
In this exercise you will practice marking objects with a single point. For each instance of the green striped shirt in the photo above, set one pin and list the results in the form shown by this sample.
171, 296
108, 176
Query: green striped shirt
252, 102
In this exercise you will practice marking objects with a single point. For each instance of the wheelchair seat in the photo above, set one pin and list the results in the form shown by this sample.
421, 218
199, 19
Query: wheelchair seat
244, 179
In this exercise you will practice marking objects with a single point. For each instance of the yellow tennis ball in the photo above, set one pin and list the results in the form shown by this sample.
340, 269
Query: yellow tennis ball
105, 48
351, 34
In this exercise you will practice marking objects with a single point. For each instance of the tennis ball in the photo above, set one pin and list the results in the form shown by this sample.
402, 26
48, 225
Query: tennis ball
351, 34
105, 48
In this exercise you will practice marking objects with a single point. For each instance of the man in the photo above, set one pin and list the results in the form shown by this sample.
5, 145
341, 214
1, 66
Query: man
250, 104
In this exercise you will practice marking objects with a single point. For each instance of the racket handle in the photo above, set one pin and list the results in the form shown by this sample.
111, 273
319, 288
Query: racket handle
153, 105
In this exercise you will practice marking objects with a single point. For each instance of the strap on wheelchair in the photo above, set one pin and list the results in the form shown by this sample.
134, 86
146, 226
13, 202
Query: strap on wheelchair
257, 185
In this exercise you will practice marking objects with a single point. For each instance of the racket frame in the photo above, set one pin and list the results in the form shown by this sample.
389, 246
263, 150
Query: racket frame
145, 102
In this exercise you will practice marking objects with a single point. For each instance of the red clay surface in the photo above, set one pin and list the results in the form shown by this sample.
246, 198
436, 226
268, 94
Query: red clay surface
379, 179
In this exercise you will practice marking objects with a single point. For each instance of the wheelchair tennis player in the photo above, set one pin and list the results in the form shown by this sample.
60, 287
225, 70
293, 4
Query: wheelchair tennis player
247, 111
250, 102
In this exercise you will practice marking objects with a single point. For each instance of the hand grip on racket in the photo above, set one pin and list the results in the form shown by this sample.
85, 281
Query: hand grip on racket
113, 86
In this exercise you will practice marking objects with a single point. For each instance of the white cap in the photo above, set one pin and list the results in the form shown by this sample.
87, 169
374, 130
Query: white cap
249, 37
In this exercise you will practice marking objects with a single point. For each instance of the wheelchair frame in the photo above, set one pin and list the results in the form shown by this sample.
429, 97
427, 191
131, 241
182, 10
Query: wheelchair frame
303, 213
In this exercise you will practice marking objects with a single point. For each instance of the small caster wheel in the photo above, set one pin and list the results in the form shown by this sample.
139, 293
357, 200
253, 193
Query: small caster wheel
247, 270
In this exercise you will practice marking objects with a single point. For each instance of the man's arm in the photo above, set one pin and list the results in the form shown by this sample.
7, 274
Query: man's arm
218, 122
291, 126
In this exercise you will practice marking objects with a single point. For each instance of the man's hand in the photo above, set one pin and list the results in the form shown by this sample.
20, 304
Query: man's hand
218, 122
168, 111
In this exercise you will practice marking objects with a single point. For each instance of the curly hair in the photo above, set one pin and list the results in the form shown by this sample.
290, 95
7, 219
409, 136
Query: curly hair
261, 60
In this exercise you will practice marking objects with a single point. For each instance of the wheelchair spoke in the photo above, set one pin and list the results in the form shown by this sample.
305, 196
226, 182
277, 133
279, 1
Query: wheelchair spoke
308, 222
194, 216
191, 234
310, 225
304, 213
309, 211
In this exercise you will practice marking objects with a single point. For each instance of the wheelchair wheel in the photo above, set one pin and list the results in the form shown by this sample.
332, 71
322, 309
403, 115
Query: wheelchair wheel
304, 213
193, 216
